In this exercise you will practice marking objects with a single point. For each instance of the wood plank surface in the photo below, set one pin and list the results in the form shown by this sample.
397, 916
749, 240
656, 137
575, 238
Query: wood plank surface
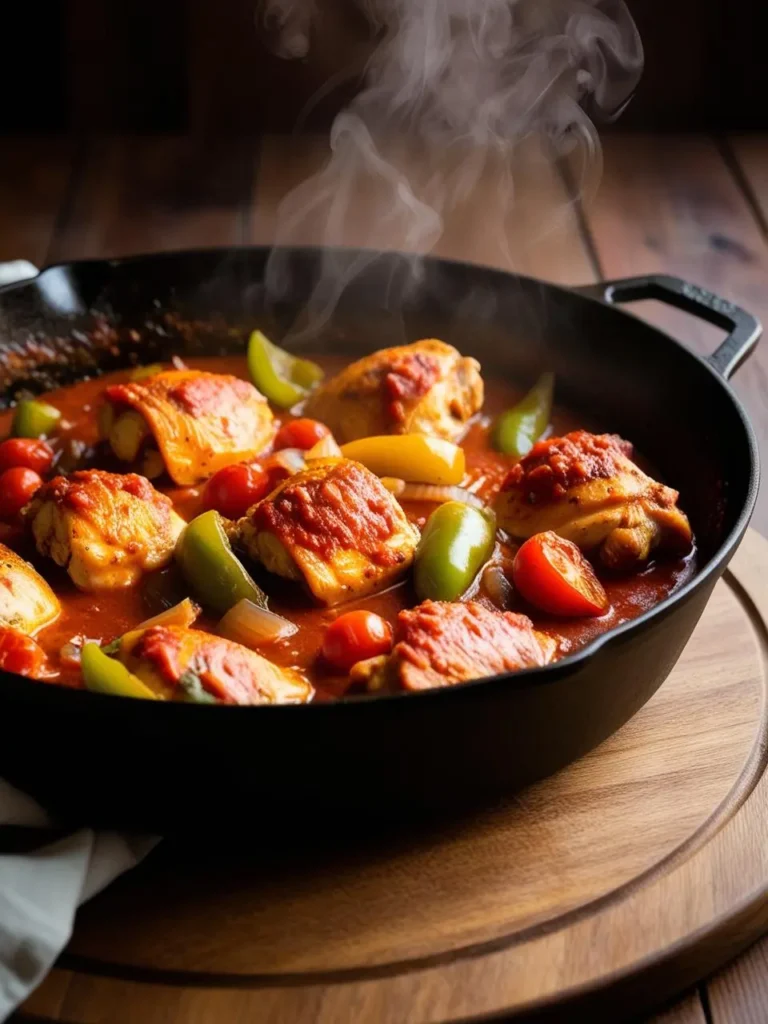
147, 194
34, 181
47, 1001
670, 204
739, 994
284, 163
523, 221
750, 153
688, 1010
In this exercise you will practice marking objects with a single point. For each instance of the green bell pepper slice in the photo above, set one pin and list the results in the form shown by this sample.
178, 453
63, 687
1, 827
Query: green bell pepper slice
457, 541
102, 674
216, 576
33, 418
519, 428
281, 377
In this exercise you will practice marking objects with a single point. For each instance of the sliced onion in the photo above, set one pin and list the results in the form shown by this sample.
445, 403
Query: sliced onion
72, 455
497, 586
72, 649
478, 483
394, 485
182, 614
439, 494
247, 624
291, 459
326, 448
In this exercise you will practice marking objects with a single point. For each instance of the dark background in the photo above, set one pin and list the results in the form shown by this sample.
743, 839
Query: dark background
200, 66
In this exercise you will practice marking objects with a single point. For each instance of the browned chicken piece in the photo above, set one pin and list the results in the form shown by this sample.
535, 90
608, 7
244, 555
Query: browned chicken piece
587, 489
106, 529
27, 603
190, 422
334, 526
440, 643
424, 388
177, 663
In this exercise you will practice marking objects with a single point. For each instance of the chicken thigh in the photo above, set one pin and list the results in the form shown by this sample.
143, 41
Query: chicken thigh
439, 643
423, 388
587, 489
27, 603
106, 529
177, 663
192, 423
334, 526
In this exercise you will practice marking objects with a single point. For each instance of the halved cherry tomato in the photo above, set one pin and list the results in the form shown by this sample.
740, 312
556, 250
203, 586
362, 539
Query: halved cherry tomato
234, 489
27, 452
354, 637
17, 486
301, 434
20, 654
552, 574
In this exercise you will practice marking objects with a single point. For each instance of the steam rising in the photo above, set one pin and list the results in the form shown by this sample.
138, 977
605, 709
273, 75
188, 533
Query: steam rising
453, 93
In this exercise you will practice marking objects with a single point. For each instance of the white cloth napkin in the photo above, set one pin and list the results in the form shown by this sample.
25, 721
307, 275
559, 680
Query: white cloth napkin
40, 892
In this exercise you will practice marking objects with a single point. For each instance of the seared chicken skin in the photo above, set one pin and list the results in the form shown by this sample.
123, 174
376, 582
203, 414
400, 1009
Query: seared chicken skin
27, 603
423, 388
186, 664
198, 421
587, 489
334, 526
440, 643
106, 529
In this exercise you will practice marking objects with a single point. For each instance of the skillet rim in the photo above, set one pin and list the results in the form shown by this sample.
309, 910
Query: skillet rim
538, 675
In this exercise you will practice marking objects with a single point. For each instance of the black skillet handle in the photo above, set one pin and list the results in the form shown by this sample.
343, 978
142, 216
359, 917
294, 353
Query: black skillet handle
744, 330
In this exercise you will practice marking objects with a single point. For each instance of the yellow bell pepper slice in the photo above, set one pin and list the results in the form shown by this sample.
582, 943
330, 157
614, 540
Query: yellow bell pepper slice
415, 458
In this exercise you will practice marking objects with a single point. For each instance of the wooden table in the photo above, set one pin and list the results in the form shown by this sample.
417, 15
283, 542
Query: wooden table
691, 206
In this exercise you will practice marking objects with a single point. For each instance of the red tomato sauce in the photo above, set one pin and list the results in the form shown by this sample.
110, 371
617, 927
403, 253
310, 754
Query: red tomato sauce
105, 615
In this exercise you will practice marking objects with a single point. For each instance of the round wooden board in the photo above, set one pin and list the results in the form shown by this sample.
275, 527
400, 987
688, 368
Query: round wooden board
610, 886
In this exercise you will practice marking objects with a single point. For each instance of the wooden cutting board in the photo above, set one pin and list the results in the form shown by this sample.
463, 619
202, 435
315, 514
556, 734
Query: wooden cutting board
604, 889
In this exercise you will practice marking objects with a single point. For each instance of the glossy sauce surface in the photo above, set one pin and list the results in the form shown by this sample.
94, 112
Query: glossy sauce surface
105, 615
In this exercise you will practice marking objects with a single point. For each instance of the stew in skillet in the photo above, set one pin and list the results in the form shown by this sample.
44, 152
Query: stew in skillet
268, 530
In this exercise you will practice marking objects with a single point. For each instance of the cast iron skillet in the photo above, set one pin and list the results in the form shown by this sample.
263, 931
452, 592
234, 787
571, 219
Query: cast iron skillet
163, 766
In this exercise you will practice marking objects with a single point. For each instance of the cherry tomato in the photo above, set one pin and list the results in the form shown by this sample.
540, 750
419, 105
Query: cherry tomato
354, 637
234, 489
24, 451
552, 574
301, 434
17, 486
20, 653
